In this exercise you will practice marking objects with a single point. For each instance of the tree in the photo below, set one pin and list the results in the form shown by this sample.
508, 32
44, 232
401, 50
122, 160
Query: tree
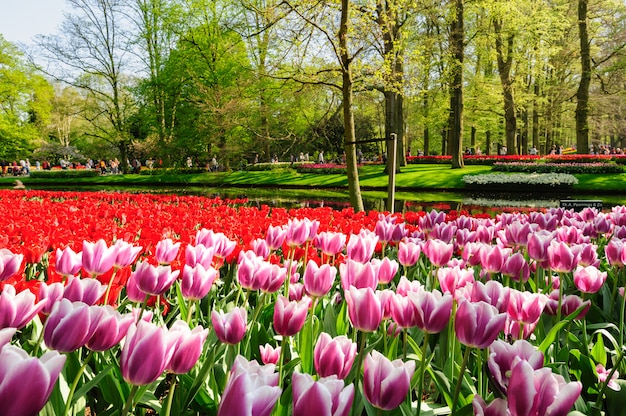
24, 103
457, 52
92, 53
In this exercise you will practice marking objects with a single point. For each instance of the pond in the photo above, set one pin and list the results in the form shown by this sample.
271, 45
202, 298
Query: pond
473, 202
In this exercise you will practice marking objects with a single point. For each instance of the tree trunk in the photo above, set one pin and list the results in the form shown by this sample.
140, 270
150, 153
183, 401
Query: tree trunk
504, 69
536, 115
455, 123
582, 95
348, 115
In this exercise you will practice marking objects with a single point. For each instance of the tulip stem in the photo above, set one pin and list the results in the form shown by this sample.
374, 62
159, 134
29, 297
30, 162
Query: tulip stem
459, 382
106, 293
359, 363
143, 308
420, 385
129, 401
170, 398
79, 374
621, 321
281, 360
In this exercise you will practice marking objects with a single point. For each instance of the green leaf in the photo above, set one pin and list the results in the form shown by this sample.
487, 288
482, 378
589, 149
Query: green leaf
95, 381
598, 353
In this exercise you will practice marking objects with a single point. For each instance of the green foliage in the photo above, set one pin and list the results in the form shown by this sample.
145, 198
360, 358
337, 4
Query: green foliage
63, 173
592, 168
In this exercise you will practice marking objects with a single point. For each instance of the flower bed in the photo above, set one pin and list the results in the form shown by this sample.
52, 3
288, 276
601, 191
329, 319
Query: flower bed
571, 168
218, 308
520, 182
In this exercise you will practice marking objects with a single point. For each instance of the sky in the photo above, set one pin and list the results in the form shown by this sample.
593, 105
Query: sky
21, 20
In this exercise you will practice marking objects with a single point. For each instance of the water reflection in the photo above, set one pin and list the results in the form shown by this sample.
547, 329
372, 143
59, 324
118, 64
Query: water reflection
474, 202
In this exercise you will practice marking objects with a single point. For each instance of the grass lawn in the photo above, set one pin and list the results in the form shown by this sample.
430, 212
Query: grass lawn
412, 178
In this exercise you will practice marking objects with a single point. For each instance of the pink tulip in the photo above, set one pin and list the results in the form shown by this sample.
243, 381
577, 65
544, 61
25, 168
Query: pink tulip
18, 370
451, 278
365, 309
385, 269
360, 247
166, 251
252, 390
222, 246
589, 279
111, 327
408, 253
516, 267
133, 293
330, 243
97, 258
498, 407
438, 252
197, 281
428, 221
146, 353
260, 248
296, 291
538, 243
269, 354
126, 254
516, 234
357, 274
485, 234
526, 307
9, 264
70, 325
86, 290
318, 280
386, 383
478, 324
544, 220
402, 310
492, 292
388, 231
517, 330
569, 304
540, 392
615, 252
503, 356
405, 286
199, 255
570, 235
289, 316
275, 279
50, 294
325, 397
492, 258
334, 356
275, 237
230, 327
17, 310
6, 335
561, 258
471, 252
603, 375
464, 236
300, 231
153, 280
67, 262
587, 254
432, 310
188, 347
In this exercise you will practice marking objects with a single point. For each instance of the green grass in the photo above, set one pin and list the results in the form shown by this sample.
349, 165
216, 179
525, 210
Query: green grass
371, 177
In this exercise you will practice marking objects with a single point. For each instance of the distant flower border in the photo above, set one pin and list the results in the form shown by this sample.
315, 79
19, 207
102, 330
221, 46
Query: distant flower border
551, 180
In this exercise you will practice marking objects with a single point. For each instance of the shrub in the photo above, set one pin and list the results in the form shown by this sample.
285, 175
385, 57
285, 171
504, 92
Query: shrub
63, 173
322, 169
